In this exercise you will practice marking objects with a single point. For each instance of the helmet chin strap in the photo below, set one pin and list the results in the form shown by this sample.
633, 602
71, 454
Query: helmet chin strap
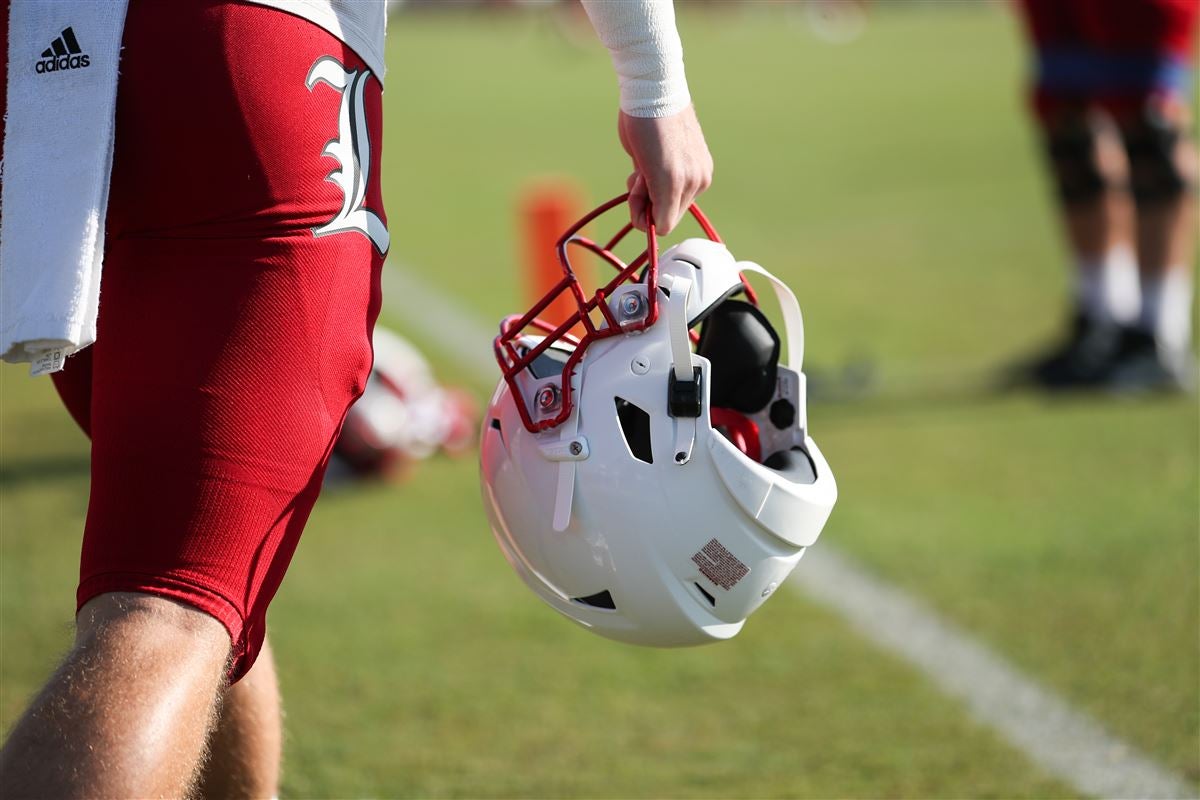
793, 323
681, 346
685, 398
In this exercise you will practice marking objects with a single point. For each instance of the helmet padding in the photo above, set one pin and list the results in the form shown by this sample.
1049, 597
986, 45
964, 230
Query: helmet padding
744, 351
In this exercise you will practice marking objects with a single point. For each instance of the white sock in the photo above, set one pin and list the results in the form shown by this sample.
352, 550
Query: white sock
1167, 308
1107, 288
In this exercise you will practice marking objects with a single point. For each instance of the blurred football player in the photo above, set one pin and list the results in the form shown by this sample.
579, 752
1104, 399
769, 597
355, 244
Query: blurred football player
245, 239
1111, 99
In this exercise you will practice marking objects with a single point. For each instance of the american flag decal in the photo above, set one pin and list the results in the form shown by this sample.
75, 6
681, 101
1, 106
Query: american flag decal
719, 565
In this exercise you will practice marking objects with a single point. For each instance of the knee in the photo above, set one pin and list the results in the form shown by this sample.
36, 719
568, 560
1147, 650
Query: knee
1162, 158
1083, 156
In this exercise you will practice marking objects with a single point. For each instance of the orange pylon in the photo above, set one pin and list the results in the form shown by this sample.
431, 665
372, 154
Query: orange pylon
547, 209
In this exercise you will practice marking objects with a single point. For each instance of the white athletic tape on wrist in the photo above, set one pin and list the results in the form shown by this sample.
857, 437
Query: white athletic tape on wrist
646, 52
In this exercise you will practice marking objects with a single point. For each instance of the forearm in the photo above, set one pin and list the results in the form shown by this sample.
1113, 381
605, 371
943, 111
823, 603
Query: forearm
646, 52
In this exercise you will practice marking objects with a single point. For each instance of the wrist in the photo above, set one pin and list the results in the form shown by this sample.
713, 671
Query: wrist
657, 96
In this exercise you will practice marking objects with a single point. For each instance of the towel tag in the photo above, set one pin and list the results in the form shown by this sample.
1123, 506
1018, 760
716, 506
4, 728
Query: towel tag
48, 361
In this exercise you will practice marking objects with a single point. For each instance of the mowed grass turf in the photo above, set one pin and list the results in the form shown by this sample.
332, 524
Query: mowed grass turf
893, 182
415, 664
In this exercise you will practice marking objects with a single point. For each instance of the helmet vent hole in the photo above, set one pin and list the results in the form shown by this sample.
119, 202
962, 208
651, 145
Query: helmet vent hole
635, 427
599, 600
712, 601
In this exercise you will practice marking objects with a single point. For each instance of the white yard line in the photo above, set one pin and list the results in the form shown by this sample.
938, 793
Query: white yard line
1035, 720
1031, 717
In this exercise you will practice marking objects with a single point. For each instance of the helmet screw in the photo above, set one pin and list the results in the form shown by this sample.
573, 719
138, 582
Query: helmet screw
680, 457
547, 397
576, 448
631, 304
640, 365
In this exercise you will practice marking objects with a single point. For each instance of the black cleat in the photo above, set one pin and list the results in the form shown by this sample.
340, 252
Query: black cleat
1083, 360
1141, 365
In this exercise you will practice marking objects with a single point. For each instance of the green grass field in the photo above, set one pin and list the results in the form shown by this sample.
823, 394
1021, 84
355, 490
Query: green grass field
894, 183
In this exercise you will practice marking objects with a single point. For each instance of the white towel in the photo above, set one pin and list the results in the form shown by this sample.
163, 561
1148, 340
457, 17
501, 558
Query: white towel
58, 140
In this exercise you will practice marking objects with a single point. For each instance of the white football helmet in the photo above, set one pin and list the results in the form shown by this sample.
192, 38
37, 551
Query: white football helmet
654, 494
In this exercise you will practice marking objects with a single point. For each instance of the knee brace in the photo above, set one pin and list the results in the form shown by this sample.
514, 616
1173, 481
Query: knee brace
1158, 169
1071, 150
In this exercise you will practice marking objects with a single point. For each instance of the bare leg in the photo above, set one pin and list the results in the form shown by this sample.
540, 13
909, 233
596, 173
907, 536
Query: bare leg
128, 712
1164, 166
1167, 234
245, 749
1166, 216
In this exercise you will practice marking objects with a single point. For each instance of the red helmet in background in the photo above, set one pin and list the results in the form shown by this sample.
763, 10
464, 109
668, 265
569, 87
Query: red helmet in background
404, 415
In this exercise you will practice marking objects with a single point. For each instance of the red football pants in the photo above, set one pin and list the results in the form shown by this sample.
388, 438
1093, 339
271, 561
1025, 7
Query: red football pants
245, 239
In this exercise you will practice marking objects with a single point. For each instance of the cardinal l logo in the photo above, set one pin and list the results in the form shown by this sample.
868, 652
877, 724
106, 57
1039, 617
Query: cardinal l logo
352, 150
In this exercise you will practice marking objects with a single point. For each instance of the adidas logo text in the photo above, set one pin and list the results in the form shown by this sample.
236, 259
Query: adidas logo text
63, 53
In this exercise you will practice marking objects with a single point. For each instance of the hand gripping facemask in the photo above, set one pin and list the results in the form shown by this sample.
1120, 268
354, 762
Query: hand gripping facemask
653, 478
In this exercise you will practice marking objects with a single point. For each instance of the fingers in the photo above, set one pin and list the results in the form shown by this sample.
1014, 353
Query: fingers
639, 201
670, 194
667, 200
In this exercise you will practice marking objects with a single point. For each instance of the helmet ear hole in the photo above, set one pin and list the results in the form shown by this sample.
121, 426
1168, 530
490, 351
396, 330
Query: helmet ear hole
744, 351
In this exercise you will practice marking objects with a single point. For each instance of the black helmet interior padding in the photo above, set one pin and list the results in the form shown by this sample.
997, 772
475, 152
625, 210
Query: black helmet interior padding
744, 351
